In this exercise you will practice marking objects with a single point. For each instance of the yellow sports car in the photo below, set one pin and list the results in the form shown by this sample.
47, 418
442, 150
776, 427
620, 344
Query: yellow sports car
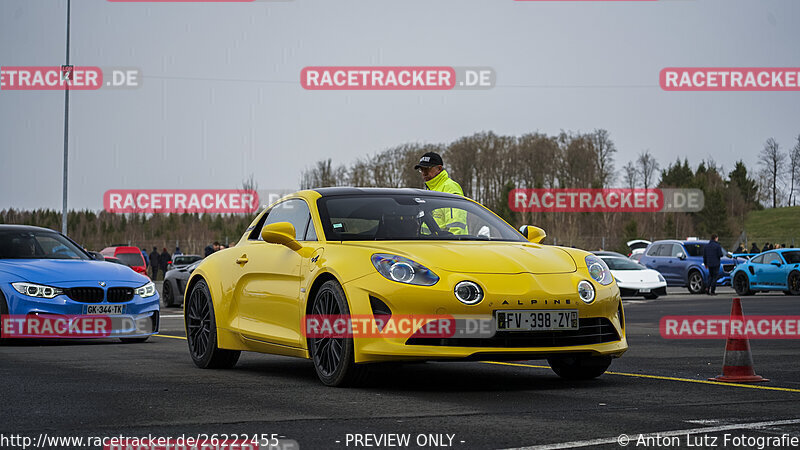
350, 277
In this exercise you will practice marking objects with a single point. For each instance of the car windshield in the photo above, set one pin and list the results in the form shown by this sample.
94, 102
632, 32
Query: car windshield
410, 217
622, 264
131, 259
792, 257
25, 244
184, 259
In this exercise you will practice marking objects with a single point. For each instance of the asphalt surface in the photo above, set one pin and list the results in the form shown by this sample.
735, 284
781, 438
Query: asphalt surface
654, 394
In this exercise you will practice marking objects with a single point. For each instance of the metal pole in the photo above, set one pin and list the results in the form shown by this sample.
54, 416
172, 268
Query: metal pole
66, 139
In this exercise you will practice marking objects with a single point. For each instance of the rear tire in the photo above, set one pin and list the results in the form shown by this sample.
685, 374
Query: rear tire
741, 283
169, 297
579, 367
201, 332
334, 358
793, 283
696, 283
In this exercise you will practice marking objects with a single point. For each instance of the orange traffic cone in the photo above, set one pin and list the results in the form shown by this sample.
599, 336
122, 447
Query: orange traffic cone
737, 365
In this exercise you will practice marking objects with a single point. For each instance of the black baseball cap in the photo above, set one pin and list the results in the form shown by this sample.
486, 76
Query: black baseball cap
429, 159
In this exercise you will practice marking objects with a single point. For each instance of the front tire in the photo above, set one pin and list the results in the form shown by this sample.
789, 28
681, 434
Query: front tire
696, 283
333, 357
169, 297
793, 283
201, 332
742, 284
3, 312
579, 367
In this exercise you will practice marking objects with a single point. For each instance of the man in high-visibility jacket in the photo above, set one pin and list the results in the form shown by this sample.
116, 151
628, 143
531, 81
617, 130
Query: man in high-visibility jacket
436, 178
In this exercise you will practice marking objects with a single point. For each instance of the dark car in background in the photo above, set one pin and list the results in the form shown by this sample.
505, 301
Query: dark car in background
681, 264
175, 284
181, 261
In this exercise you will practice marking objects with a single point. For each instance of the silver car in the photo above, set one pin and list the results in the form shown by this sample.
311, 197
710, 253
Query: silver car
175, 284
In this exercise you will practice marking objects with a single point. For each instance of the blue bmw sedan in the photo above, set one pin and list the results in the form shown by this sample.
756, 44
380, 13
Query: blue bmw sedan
45, 275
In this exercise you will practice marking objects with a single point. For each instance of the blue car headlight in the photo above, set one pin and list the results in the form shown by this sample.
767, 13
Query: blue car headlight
598, 270
37, 290
403, 270
148, 290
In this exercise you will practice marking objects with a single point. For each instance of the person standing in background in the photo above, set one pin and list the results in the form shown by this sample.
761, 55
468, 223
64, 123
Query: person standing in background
154, 263
712, 254
163, 260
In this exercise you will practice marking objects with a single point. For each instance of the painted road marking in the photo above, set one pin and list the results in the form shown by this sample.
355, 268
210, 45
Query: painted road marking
168, 336
172, 316
634, 437
659, 377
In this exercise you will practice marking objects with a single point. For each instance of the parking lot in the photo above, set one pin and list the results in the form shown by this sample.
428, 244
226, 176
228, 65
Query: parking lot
658, 388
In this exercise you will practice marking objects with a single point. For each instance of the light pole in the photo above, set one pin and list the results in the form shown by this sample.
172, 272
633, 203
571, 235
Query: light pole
66, 139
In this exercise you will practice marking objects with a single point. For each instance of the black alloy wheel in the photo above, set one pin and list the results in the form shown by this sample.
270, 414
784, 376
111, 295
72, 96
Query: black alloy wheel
201, 332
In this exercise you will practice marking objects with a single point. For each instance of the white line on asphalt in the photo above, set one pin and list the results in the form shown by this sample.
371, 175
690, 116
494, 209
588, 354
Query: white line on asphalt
633, 438
172, 316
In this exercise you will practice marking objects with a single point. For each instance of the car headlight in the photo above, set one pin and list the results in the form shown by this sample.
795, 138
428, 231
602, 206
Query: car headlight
586, 291
37, 290
403, 270
148, 290
661, 278
598, 270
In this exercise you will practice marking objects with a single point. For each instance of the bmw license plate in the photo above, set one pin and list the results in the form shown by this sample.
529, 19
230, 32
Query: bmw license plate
536, 320
105, 309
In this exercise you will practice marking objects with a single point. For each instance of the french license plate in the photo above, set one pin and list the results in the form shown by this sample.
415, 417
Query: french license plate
644, 291
105, 309
536, 320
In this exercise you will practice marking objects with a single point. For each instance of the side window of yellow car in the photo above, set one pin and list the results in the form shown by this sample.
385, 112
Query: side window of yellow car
295, 211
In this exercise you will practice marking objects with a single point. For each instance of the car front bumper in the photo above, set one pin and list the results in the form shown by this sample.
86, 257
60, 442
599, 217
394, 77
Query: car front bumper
140, 316
601, 324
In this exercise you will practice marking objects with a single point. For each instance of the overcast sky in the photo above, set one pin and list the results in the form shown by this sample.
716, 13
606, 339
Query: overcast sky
221, 95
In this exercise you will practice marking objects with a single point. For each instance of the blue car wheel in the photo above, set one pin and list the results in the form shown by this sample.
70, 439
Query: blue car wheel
793, 283
742, 284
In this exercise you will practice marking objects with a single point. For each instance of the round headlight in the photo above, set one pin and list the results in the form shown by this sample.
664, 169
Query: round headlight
402, 272
586, 291
468, 293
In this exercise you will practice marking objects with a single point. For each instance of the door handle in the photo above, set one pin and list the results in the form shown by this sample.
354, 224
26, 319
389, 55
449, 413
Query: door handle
242, 259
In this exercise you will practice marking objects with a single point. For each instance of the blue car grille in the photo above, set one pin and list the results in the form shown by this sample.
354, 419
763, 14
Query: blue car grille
85, 294
120, 294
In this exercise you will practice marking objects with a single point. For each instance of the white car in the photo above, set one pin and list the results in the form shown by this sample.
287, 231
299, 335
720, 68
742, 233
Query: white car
635, 279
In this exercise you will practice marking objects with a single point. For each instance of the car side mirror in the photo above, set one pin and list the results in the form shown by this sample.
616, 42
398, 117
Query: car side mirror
532, 233
776, 263
681, 256
729, 255
281, 233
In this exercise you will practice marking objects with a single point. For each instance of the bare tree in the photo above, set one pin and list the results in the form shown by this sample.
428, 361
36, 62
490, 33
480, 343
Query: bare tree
772, 159
794, 170
631, 174
604, 150
647, 168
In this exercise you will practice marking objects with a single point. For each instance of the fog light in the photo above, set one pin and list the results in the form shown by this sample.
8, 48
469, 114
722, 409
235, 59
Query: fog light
586, 291
468, 293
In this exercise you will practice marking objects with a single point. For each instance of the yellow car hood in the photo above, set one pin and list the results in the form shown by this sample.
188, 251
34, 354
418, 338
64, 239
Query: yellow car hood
479, 257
